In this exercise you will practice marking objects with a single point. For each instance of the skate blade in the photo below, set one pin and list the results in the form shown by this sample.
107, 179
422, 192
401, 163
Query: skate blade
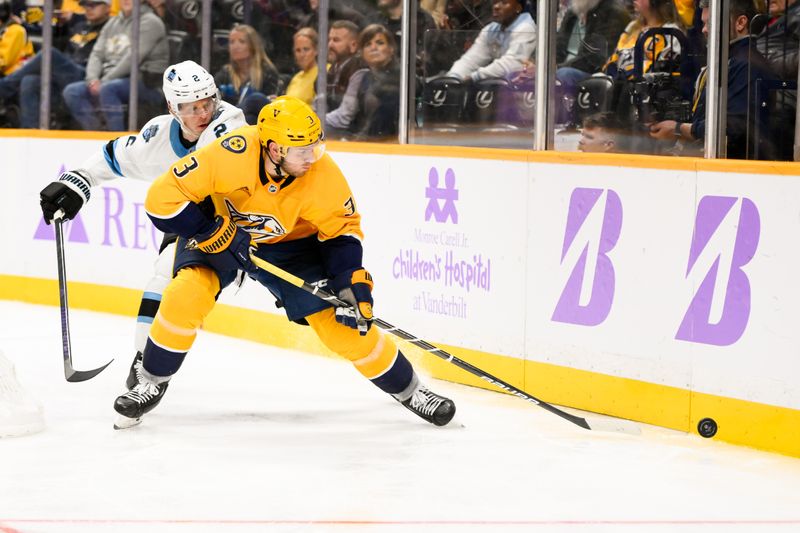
123, 422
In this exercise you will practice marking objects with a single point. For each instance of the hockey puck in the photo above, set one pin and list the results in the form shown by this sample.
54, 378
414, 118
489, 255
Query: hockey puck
707, 428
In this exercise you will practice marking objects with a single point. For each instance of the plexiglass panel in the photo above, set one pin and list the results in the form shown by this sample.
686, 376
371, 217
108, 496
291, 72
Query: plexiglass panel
625, 76
477, 88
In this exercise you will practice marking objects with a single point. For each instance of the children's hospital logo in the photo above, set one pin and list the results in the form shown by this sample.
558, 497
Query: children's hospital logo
441, 200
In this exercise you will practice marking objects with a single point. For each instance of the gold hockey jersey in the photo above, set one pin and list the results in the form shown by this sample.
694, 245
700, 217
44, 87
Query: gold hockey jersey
231, 171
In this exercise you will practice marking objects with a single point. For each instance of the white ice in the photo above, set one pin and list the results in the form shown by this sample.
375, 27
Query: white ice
254, 438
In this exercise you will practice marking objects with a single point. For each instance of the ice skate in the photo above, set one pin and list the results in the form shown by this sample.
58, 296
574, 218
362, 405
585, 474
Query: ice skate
138, 401
428, 405
134, 375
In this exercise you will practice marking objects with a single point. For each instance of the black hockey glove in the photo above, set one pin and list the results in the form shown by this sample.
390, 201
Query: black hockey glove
230, 245
355, 288
68, 194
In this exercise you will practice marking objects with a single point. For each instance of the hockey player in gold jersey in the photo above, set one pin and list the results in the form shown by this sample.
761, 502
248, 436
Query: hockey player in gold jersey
277, 195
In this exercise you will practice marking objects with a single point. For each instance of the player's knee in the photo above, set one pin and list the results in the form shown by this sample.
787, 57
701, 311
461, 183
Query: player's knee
190, 296
340, 339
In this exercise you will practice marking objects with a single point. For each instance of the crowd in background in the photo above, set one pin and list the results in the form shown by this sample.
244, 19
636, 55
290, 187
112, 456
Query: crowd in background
628, 70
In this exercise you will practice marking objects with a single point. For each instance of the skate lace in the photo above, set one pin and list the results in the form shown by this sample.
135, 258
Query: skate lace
143, 392
138, 367
425, 401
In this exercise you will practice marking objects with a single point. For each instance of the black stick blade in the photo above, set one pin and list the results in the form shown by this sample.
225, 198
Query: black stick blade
75, 376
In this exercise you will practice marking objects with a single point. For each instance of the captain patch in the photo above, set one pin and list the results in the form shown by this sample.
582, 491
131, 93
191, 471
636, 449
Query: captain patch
235, 144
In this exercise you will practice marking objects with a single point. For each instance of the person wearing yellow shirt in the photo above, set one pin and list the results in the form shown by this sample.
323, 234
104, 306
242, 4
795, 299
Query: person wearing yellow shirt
686, 9
275, 195
14, 44
303, 84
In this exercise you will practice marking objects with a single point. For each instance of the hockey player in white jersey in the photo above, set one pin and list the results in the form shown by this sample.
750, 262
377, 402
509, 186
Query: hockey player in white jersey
197, 116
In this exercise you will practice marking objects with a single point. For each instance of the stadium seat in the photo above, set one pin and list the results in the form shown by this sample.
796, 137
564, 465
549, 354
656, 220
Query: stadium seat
179, 46
595, 95
442, 101
777, 142
482, 101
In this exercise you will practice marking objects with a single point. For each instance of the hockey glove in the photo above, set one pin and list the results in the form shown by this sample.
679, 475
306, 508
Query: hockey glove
68, 194
230, 245
355, 288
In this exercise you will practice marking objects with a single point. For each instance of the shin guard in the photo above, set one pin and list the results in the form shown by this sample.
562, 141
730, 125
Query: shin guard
374, 355
186, 302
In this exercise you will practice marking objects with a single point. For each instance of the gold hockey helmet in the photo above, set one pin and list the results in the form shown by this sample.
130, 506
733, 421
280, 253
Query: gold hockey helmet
291, 123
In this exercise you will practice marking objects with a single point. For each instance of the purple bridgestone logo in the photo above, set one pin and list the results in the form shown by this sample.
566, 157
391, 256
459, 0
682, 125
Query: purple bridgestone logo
448, 195
569, 308
697, 323
74, 229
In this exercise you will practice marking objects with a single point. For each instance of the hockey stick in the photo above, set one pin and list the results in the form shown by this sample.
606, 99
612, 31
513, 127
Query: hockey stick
72, 375
611, 424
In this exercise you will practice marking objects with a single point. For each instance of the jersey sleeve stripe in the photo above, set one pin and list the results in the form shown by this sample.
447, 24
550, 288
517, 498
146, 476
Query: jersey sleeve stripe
187, 221
111, 157
356, 236
167, 216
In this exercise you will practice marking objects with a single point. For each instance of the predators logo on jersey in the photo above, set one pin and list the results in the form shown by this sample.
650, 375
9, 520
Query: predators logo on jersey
260, 227
235, 144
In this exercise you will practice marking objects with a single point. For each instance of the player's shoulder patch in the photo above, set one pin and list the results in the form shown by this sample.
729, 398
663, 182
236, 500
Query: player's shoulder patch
149, 132
235, 143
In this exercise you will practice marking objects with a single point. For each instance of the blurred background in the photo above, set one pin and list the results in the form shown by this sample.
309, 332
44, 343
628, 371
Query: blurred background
661, 77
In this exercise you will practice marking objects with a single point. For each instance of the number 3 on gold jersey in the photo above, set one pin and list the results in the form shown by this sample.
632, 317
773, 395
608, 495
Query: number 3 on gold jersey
350, 205
187, 167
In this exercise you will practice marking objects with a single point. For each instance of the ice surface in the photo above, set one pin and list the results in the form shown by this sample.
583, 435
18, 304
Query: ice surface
255, 438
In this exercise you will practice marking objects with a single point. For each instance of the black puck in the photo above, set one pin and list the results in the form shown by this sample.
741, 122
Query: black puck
707, 428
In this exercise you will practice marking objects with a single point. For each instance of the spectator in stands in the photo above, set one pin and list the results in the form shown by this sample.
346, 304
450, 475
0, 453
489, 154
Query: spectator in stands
371, 106
337, 10
107, 84
780, 40
302, 85
67, 67
379, 95
649, 14
602, 132
467, 16
62, 22
437, 9
685, 10
501, 47
390, 16
463, 21
14, 44
777, 9
586, 39
249, 80
745, 66
343, 59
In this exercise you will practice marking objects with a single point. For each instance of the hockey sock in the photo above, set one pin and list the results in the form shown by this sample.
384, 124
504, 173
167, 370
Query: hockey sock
144, 320
399, 379
186, 302
159, 364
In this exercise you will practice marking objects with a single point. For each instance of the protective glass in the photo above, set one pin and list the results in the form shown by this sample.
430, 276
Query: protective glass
306, 154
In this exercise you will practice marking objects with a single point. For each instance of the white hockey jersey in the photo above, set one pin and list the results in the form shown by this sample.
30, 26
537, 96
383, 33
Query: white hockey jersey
148, 154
